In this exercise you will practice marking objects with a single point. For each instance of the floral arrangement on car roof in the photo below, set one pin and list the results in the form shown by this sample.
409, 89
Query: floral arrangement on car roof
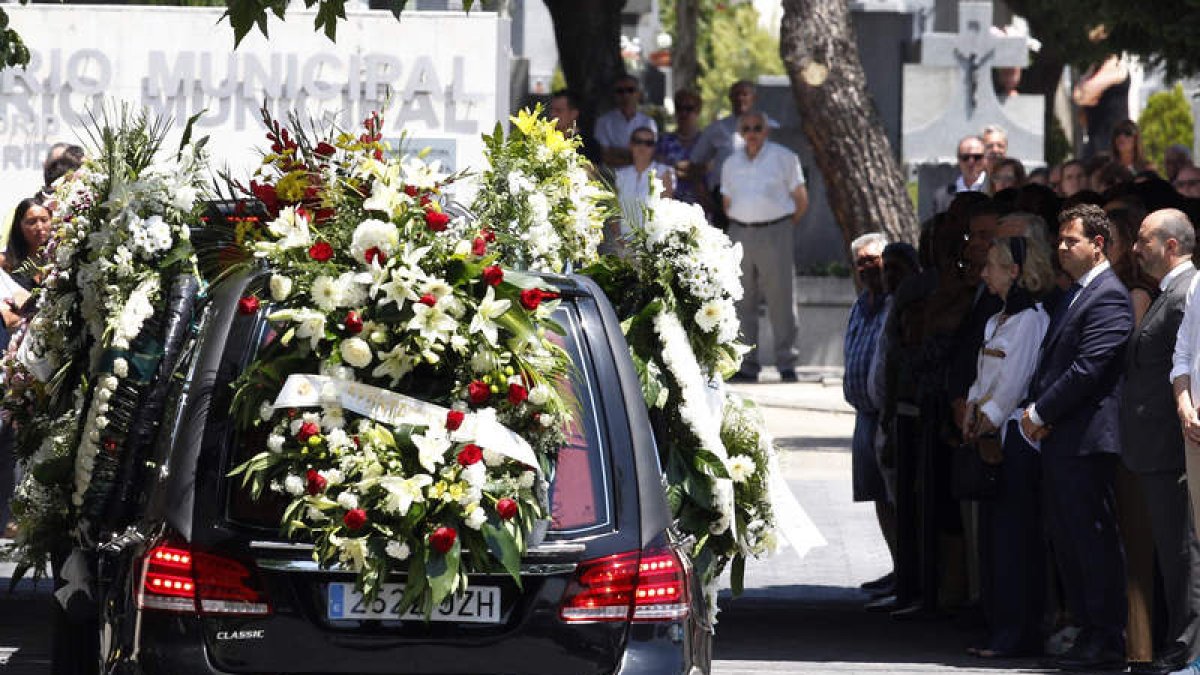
545, 210
121, 240
675, 292
376, 289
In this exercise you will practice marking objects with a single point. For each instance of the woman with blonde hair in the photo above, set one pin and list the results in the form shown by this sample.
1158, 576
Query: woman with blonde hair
1011, 553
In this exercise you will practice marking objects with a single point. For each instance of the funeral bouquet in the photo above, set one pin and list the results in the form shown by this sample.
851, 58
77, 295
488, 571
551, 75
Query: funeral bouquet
675, 291
538, 198
76, 372
411, 397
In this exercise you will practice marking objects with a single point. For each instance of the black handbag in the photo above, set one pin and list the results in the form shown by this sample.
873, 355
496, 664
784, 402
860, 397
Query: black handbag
971, 476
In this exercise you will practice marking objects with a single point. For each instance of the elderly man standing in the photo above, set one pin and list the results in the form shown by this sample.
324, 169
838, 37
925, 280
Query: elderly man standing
862, 335
1151, 438
718, 141
764, 196
971, 174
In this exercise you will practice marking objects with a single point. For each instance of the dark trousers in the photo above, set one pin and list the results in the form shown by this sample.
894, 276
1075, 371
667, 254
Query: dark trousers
1012, 550
1178, 556
908, 558
1080, 513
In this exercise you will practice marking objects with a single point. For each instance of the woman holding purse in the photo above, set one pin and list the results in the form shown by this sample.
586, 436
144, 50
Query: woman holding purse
1011, 548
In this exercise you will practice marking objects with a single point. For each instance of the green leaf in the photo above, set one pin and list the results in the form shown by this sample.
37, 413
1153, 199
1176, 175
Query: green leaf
737, 575
415, 586
505, 550
442, 571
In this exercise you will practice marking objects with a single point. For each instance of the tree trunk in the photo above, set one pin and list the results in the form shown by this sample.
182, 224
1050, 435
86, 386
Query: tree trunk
864, 182
685, 66
588, 34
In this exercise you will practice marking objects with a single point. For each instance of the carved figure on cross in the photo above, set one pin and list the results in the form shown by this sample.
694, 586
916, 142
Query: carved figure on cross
973, 49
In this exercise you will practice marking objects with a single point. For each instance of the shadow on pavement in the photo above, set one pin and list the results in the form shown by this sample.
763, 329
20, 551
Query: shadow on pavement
826, 624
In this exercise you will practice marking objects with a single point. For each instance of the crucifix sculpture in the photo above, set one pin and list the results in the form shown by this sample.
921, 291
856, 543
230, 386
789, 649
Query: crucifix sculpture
974, 50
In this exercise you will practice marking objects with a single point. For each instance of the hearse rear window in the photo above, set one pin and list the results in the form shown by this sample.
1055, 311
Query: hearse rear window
580, 495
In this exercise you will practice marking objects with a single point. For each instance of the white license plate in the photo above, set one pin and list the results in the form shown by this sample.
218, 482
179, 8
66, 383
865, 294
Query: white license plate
478, 604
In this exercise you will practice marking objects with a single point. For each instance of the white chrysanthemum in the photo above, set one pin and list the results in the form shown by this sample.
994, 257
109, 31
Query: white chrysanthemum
275, 443
711, 314
281, 287
326, 293
333, 476
740, 468
291, 228
356, 352
371, 234
354, 292
348, 500
398, 550
294, 485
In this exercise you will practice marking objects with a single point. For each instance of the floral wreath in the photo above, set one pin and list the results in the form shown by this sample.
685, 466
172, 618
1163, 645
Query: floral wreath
370, 276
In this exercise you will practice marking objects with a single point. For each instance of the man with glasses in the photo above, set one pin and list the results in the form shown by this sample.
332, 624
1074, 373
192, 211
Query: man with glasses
614, 127
719, 140
972, 176
564, 110
764, 195
995, 145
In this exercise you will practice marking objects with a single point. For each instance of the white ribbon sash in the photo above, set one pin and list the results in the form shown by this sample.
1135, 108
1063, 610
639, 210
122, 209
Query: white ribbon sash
389, 407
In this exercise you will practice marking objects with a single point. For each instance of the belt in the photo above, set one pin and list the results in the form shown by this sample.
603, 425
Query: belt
761, 223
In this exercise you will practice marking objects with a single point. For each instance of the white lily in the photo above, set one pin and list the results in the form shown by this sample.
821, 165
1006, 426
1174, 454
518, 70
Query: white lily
488, 310
434, 324
394, 364
402, 493
431, 448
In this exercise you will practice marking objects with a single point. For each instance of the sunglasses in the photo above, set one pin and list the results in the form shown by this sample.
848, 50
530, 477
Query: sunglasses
648, 142
972, 157
625, 90
756, 128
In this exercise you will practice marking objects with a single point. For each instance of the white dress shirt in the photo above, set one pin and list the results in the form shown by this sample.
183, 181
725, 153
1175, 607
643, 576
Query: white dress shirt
1007, 359
980, 183
633, 191
717, 142
1186, 360
613, 130
760, 189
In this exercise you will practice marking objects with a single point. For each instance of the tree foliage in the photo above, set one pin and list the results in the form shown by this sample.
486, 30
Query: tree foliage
731, 47
1167, 119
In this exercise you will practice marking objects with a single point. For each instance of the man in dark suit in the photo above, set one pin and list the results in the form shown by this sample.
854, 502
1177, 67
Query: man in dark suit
1151, 438
1075, 396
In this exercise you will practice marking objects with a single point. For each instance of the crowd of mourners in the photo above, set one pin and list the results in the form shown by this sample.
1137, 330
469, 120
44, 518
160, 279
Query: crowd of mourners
1025, 384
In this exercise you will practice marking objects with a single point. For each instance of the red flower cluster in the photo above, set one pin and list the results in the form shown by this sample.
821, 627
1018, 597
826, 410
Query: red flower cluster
478, 392
436, 220
248, 304
321, 251
315, 482
506, 508
355, 519
493, 275
470, 454
442, 539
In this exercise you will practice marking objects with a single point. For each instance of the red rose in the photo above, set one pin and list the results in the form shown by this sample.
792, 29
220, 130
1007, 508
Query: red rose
374, 254
426, 200
355, 519
307, 431
324, 149
442, 539
321, 251
436, 220
489, 236
410, 190
493, 275
506, 508
429, 300
531, 298
517, 393
316, 482
470, 454
478, 392
454, 419
478, 246
248, 304
354, 322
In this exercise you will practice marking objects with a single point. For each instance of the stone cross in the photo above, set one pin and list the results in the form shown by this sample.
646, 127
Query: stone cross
974, 50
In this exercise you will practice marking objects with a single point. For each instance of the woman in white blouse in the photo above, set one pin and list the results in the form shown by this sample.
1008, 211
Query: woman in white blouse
1011, 552
634, 181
